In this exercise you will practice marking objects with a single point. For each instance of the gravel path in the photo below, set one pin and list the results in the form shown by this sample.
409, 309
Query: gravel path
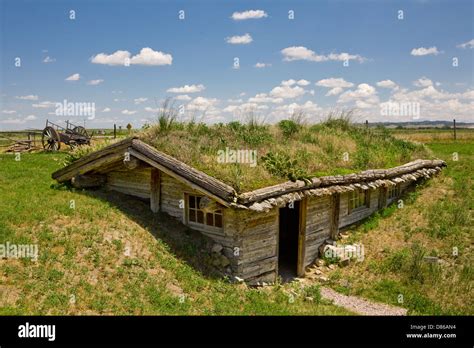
359, 305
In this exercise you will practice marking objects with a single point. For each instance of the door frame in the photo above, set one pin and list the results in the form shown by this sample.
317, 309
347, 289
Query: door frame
300, 269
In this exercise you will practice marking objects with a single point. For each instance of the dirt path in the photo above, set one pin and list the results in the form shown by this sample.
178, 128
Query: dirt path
359, 305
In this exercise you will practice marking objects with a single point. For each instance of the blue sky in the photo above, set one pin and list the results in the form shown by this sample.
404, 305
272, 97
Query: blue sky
333, 54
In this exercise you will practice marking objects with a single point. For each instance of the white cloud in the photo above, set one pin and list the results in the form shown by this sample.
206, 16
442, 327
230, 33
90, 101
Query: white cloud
468, 44
9, 112
239, 40
184, 97
364, 92
423, 82
302, 53
27, 97
289, 82
12, 121
106, 110
73, 77
234, 100
231, 108
251, 14
264, 98
148, 109
128, 112
334, 91
18, 120
187, 89
48, 59
425, 51
147, 56
201, 104
292, 82
116, 58
334, 83
95, 82
387, 84
262, 65
302, 82
139, 100
287, 92
44, 105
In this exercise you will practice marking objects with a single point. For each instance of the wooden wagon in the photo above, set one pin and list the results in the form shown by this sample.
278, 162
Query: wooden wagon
53, 135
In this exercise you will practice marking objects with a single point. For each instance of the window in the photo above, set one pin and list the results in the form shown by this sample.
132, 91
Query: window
198, 216
358, 199
393, 192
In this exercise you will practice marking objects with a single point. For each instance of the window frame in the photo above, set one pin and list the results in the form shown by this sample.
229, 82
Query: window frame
360, 192
199, 225
397, 189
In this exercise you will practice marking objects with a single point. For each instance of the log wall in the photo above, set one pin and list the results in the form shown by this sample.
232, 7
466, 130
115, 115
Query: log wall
256, 237
249, 238
318, 218
131, 182
346, 219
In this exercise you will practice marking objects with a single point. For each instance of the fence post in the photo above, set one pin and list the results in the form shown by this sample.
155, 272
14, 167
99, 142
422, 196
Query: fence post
454, 126
366, 123
115, 131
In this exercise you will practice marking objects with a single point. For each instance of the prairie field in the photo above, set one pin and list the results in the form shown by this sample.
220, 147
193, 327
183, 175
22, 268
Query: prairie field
102, 254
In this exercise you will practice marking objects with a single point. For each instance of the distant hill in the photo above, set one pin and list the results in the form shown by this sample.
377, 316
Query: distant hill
424, 124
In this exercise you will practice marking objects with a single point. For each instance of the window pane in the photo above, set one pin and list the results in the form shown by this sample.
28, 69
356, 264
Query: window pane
192, 215
198, 199
192, 203
200, 217
210, 219
218, 220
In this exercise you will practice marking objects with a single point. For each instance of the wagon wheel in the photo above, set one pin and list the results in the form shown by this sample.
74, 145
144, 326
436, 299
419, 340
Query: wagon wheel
50, 139
79, 130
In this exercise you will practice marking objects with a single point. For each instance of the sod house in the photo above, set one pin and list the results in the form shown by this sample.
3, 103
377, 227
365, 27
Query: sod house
261, 232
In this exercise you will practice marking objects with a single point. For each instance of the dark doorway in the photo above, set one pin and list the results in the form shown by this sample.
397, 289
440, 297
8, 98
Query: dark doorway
288, 241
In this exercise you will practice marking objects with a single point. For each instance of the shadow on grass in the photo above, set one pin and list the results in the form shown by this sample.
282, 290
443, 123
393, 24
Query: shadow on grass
184, 243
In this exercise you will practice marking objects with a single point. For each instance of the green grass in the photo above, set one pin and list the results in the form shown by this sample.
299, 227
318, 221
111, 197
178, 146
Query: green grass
286, 151
436, 220
82, 268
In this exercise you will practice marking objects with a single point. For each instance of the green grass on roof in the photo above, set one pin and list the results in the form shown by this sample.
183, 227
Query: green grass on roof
286, 151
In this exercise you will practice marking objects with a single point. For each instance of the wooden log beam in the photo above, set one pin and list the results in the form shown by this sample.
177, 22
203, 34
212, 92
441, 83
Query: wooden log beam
325, 181
155, 190
188, 173
131, 162
334, 223
65, 173
95, 164
178, 177
88, 181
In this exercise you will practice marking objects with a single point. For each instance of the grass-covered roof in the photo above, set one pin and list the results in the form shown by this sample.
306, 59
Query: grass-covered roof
286, 151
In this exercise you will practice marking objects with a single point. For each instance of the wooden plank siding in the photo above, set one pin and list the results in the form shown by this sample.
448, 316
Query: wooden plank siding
135, 183
346, 218
318, 217
256, 237
249, 238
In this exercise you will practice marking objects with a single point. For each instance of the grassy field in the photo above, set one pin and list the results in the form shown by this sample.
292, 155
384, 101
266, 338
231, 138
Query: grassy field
111, 256
102, 254
436, 220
